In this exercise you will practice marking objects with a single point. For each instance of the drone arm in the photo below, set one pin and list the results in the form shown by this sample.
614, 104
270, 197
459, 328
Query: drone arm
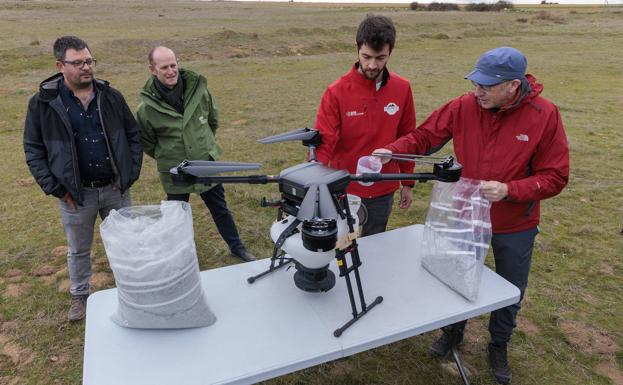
447, 171
377, 177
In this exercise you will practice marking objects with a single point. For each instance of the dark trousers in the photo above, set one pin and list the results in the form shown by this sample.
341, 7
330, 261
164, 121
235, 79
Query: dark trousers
378, 214
513, 254
214, 200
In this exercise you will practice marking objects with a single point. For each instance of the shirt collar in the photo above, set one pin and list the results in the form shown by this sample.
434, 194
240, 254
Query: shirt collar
67, 93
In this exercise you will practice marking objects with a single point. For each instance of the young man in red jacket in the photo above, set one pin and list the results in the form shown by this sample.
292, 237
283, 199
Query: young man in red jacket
505, 134
366, 108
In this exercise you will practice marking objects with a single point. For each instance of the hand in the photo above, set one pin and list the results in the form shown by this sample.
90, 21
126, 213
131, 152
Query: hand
494, 191
384, 159
69, 200
406, 197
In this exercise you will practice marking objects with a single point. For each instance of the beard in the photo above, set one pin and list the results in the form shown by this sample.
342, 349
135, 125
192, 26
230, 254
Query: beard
371, 74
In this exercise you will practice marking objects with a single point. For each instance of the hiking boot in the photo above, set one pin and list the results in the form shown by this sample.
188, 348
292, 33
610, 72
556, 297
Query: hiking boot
498, 358
244, 255
78, 307
443, 345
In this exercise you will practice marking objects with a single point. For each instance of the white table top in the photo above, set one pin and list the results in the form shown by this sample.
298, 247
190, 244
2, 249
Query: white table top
270, 328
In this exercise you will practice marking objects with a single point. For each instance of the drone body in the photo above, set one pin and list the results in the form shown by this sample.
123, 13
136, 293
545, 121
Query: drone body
316, 220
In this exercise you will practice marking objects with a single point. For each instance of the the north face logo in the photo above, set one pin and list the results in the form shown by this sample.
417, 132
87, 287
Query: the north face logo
391, 108
522, 137
203, 120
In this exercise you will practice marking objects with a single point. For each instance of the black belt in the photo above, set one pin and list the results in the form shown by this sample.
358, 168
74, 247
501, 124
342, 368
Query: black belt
97, 183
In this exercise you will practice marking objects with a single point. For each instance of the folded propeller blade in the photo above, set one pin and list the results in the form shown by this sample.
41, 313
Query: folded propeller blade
300, 134
203, 168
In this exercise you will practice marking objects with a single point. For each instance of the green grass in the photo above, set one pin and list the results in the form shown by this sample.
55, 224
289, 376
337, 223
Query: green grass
267, 66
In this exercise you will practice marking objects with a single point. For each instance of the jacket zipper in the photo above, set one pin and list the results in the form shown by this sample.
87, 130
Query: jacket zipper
112, 157
72, 145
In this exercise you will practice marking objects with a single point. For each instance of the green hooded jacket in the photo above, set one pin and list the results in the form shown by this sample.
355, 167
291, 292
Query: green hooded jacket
170, 137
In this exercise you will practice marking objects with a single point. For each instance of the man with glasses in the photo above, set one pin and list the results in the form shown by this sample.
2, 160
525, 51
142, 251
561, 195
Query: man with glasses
178, 120
505, 134
82, 145
364, 109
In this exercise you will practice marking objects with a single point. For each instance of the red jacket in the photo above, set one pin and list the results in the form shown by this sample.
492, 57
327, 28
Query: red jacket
524, 146
354, 119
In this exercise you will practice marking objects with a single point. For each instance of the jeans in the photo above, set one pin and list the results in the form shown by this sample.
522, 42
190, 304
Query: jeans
214, 200
513, 254
378, 214
79, 224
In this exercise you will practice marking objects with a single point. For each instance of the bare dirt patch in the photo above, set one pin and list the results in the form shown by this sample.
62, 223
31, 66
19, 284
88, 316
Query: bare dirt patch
9, 327
476, 335
607, 269
16, 289
527, 326
11, 380
12, 273
60, 251
48, 279
43, 271
588, 339
450, 367
25, 182
610, 370
340, 368
64, 286
18, 355
100, 279
61, 273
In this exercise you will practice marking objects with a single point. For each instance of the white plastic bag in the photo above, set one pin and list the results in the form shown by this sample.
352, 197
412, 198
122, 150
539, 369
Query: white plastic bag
151, 250
457, 234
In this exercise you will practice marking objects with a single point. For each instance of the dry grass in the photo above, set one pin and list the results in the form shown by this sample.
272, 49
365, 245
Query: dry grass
267, 66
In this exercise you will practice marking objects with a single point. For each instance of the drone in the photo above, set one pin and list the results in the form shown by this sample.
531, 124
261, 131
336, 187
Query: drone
317, 220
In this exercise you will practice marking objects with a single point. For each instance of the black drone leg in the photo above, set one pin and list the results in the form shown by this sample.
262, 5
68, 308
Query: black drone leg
291, 229
453, 334
282, 262
344, 272
356, 263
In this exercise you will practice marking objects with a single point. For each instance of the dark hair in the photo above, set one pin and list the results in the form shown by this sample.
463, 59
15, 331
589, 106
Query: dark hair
63, 43
375, 31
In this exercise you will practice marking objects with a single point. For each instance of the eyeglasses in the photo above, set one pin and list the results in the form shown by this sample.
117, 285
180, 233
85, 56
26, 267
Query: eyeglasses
487, 88
81, 63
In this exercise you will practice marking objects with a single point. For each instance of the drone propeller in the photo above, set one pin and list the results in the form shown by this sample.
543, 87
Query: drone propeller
304, 134
204, 168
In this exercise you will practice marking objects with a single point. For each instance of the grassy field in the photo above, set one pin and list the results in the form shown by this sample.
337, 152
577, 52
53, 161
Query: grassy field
267, 66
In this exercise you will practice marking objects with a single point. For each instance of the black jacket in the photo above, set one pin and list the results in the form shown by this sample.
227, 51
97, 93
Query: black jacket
51, 150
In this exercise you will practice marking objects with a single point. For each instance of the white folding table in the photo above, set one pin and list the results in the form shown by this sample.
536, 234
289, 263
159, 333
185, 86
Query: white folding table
270, 328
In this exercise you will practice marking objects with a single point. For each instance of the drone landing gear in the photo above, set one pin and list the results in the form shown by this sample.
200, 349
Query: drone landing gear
291, 229
345, 271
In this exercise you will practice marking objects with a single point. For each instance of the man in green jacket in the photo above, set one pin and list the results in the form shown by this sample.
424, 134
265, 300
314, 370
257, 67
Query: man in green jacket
178, 120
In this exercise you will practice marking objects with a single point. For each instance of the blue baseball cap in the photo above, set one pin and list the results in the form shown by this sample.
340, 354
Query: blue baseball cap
499, 65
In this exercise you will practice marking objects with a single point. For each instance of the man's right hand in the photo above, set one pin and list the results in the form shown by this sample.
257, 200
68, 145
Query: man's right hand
382, 151
69, 200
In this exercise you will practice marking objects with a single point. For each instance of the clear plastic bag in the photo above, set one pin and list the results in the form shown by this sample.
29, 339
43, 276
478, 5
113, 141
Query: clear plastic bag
151, 250
457, 234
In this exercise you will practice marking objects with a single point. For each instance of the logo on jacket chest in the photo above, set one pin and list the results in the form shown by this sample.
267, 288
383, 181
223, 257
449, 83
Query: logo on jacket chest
203, 120
391, 108
351, 114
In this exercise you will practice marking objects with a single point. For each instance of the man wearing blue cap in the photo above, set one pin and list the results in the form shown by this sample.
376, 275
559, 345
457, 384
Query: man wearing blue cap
505, 134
